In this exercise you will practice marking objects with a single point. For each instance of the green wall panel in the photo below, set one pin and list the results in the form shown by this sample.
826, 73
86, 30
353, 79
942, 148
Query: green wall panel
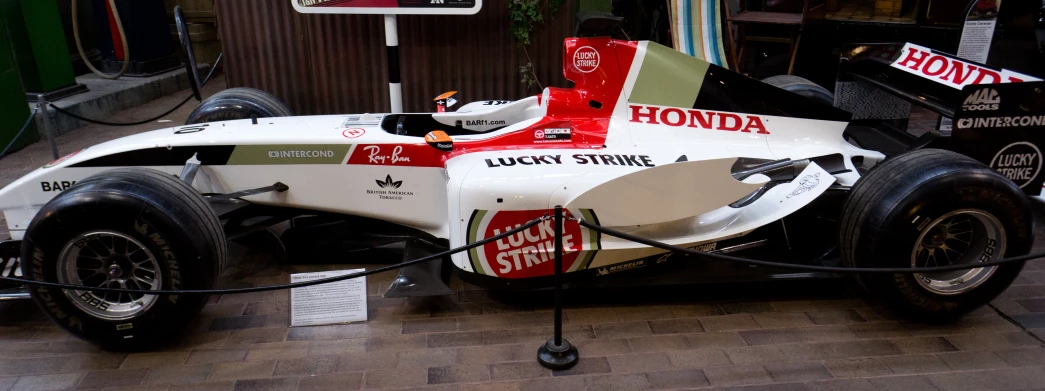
38, 43
13, 110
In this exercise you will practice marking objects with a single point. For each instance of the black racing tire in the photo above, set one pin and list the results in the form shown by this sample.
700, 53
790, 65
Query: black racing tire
897, 215
177, 235
802, 86
238, 103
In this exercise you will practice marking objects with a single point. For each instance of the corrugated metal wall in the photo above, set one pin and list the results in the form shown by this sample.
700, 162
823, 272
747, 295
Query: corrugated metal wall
325, 64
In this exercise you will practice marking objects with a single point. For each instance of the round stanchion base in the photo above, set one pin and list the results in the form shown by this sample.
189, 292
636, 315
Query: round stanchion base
555, 357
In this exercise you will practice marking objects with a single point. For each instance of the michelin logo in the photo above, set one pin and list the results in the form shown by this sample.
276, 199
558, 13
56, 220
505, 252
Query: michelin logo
621, 267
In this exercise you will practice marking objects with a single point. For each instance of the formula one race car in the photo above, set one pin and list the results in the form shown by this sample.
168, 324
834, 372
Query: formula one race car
650, 141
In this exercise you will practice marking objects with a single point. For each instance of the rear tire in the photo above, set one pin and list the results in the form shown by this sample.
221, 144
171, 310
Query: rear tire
803, 87
134, 228
933, 208
238, 103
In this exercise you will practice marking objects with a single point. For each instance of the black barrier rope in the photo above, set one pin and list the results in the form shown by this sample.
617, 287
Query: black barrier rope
877, 270
100, 122
19, 135
531, 223
466, 247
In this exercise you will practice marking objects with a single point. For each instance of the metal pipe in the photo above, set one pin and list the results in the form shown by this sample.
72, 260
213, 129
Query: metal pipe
41, 108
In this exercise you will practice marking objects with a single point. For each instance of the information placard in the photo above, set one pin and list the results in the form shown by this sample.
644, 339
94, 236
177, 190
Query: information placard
389, 7
338, 302
975, 43
978, 31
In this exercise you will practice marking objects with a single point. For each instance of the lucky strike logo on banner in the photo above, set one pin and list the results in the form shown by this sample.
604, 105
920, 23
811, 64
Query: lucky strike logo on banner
923, 62
530, 253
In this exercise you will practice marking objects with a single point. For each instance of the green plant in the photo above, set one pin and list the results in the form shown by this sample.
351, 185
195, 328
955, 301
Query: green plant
526, 16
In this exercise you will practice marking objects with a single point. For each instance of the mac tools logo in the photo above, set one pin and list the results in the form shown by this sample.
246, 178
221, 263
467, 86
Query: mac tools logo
390, 192
1019, 161
985, 99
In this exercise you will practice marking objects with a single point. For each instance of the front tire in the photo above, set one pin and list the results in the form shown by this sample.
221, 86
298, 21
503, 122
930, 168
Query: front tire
125, 228
935, 208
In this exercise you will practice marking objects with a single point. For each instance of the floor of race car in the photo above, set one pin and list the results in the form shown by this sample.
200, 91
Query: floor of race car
817, 335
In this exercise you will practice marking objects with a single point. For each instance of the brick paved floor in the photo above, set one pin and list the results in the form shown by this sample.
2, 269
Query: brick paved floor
819, 335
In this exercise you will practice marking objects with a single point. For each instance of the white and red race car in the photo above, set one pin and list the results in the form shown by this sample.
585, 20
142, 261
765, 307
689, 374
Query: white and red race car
649, 141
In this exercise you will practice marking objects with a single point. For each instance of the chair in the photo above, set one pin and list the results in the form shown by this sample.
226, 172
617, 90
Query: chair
794, 21
696, 29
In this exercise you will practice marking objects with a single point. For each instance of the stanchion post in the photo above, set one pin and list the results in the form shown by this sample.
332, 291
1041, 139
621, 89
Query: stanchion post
41, 110
558, 353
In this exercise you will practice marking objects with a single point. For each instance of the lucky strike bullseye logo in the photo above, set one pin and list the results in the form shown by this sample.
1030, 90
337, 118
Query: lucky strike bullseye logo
530, 253
586, 59
1019, 161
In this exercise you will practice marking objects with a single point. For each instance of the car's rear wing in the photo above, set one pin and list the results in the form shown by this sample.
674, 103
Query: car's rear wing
998, 114
914, 73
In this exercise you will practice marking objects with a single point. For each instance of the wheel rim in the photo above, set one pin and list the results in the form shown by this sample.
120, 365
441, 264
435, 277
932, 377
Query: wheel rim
962, 237
109, 259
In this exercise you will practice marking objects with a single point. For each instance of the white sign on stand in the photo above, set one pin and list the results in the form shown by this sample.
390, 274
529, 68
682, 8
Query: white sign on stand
978, 31
337, 302
980, 20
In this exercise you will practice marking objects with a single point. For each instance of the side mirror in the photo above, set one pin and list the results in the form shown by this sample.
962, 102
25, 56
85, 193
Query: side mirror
438, 139
445, 101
